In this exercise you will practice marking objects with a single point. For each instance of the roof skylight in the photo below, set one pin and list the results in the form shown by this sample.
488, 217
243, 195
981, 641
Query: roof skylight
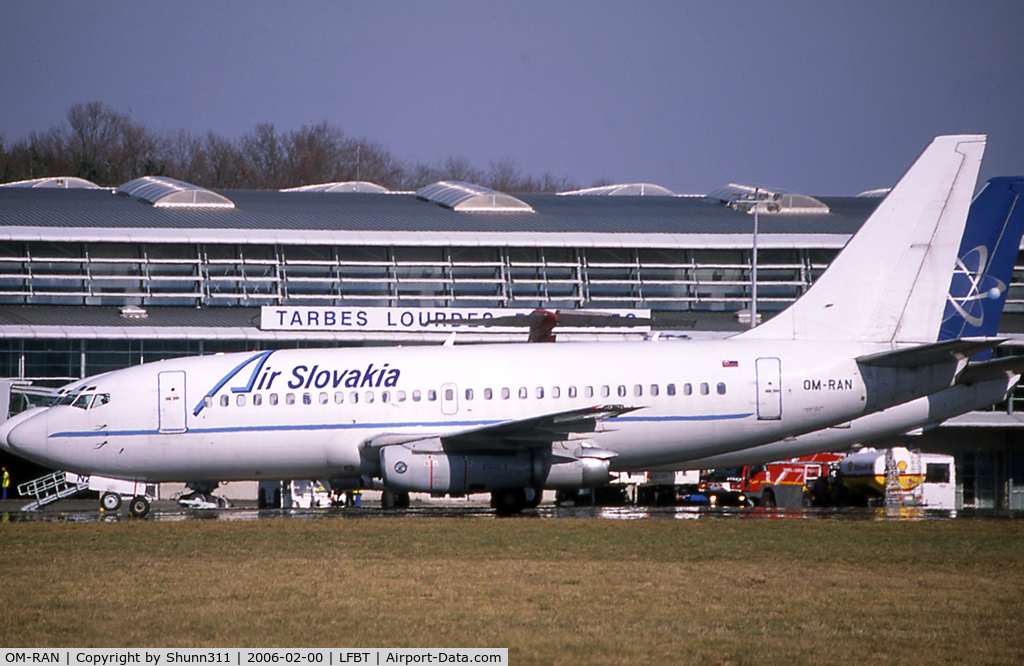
163, 192
60, 182
748, 199
469, 198
622, 190
363, 186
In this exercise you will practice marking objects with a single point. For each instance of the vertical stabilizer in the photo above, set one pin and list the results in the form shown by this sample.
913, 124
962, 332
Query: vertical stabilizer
984, 264
889, 283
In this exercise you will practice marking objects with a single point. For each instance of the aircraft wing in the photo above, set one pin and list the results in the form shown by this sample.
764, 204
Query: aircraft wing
515, 434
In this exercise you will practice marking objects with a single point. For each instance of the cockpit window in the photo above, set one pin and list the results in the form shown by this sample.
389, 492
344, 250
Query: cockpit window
85, 400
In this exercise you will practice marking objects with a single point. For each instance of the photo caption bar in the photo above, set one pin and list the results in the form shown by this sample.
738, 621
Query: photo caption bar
252, 656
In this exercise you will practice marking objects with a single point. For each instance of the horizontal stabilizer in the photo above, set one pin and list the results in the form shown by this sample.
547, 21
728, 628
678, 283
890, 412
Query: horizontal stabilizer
938, 353
987, 370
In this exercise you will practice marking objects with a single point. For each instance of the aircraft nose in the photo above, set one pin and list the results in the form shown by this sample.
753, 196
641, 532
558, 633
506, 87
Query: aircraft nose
28, 438
7, 426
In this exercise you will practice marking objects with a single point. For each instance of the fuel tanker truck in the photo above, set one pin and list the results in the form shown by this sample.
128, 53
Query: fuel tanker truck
925, 480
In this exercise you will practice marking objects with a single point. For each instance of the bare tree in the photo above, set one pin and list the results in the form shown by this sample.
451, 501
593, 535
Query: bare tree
314, 154
505, 176
107, 147
264, 158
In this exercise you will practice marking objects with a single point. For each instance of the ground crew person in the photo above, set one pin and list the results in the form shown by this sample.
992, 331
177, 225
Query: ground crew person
6, 480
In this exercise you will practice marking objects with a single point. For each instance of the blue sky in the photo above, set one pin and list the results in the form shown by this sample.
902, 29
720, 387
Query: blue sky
825, 97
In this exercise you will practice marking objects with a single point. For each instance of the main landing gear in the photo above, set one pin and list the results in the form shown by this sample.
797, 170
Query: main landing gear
512, 501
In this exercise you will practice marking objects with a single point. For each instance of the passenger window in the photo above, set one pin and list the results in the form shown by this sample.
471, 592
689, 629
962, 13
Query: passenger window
307, 399
431, 395
208, 401
488, 394
670, 389
654, 389
416, 396
400, 396
257, 400
385, 396
469, 394
224, 400
572, 391
638, 391
687, 389
605, 391
721, 388
240, 400
273, 398
540, 392
704, 388
289, 398
523, 393
369, 396
324, 398
353, 397
339, 397
505, 394
449, 394
555, 392
621, 391
588, 392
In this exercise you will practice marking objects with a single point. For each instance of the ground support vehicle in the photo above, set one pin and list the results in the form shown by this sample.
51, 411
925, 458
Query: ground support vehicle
898, 476
786, 483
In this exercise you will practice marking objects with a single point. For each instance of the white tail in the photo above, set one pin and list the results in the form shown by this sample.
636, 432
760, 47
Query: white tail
889, 283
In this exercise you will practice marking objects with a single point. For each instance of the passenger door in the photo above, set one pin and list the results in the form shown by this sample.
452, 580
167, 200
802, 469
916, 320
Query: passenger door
171, 394
769, 389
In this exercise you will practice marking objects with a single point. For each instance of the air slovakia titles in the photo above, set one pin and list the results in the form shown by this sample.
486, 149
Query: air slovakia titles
303, 377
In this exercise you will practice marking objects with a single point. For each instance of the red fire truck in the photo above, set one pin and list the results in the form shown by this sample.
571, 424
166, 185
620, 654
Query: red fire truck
786, 483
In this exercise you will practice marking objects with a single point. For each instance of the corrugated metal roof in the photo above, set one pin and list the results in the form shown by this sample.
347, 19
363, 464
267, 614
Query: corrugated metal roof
289, 213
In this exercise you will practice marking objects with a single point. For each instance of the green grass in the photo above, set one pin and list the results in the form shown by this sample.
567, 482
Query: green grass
552, 591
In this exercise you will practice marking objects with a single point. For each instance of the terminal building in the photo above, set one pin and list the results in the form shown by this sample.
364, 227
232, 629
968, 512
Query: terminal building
94, 279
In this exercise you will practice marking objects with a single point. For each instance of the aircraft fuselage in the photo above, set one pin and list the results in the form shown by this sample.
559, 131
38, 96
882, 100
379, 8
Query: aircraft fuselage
313, 413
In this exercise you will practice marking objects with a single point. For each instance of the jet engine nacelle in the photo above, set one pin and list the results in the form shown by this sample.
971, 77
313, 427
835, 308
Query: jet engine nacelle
428, 469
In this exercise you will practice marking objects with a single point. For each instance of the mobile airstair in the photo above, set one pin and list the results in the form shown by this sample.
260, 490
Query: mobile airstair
51, 488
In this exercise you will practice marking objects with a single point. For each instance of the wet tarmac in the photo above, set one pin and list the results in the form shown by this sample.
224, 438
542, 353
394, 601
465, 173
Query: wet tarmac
169, 511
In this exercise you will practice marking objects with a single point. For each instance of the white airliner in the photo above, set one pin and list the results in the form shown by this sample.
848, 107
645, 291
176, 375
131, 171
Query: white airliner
505, 419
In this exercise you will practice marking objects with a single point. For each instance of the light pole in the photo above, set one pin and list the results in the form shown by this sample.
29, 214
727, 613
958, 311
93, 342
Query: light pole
753, 266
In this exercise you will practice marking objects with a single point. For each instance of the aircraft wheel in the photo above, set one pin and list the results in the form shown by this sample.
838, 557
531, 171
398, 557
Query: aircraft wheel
509, 502
139, 506
110, 501
534, 496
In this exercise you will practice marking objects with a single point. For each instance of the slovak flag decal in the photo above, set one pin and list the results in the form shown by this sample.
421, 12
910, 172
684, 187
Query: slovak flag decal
730, 364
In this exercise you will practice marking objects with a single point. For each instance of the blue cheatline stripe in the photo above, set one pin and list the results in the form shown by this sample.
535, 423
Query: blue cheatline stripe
313, 427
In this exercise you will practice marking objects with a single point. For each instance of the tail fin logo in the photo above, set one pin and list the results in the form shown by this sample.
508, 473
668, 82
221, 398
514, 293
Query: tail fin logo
971, 285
